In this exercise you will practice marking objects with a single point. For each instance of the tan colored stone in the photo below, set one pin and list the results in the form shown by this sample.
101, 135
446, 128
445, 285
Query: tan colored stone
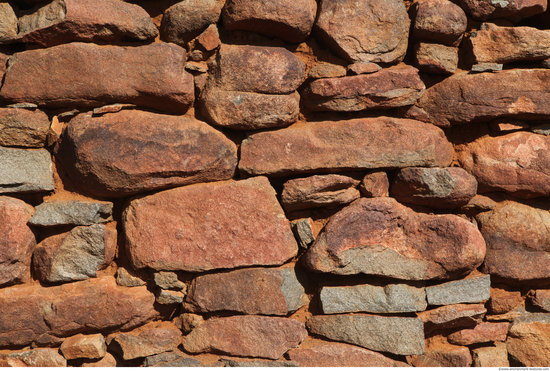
482, 333
436, 58
25, 170
8, 22
146, 341
541, 299
375, 184
448, 355
39, 358
439, 21
496, 356
323, 70
23, 128
84, 346
527, 340
107, 361
452, 316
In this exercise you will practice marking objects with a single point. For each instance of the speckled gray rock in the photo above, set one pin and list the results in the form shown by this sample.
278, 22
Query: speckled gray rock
171, 359
395, 335
25, 170
470, 290
304, 231
72, 212
168, 281
393, 298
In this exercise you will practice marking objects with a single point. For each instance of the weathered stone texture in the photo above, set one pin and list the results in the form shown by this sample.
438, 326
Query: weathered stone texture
71, 212
452, 316
146, 341
439, 21
469, 290
483, 333
23, 128
25, 170
447, 355
375, 184
436, 58
496, 356
528, 340
39, 358
513, 10
8, 21
83, 346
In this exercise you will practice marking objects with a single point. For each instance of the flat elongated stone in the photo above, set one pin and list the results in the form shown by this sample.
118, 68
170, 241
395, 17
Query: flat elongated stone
482, 333
528, 340
146, 341
393, 298
110, 157
258, 336
345, 145
323, 70
209, 226
439, 21
374, 31
382, 237
248, 291
458, 99
451, 316
513, 10
72, 212
84, 346
385, 334
25, 170
89, 75
469, 290
23, 128
388, 88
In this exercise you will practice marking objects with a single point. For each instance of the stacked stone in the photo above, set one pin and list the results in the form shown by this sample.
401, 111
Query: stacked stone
282, 183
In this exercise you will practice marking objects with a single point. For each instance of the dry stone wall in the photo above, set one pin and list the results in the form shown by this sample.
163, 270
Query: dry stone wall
274, 183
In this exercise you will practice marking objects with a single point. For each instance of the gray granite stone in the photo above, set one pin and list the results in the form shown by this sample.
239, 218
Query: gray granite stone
470, 290
303, 231
25, 170
72, 212
168, 281
127, 278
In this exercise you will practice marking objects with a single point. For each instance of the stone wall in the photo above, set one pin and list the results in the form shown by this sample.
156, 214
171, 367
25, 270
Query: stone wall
282, 183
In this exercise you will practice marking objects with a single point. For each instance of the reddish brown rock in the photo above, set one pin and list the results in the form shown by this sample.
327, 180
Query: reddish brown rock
541, 299
494, 44
361, 68
422, 361
504, 299
527, 340
388, 88
333, 146
39, 358
452, 316
447, 355
89, 75
436, 58
513, 10
64, 21
382, 237
209, 39
23, 128
83, 346
318, 353
3, 62
107, 361
109, 157
439, 21
17, 241
439, 188
517, 241
318, 191
458, 99
374, 31
265, 337
289, 20
496, 356
375, 184
482, 333
209, 226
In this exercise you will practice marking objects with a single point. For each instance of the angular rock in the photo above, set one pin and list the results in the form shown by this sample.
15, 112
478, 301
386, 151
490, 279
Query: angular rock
469, 290
323, 70
65, 21
89, 75
318, 353
146, 341
186, 322
447, 355
527, 340
72, 212
333, 146
374, 31
29, 311
248, 291
107, 361
496, 356
361, 68
517, 241
186, 19
23, 128
541, 299
84, 346
388, 88
209, 39
17, 241
382, 237
75, 255
458, 99
109, 157
171, 359
513, 10
480, 203
384, 334
209, 226
482, 333
8, 22
393, 298
436, 58
25, 170
304, 231
452, 316
438, 188
289, 20
504, 299
265, 337
495, 44
375, 184
439, 21
35, 358
169, 297
168, 281
125, 278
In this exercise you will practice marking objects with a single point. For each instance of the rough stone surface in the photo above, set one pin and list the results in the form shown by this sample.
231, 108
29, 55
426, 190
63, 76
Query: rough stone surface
374, 31
487, 67
482, 333
447, 355
323, 70
171, 359
436, 58
146, 341
89, 75
388, 88
528, 340
361, 68
452, 316
289, 20
504, 299
375, 184
305, 231
64, 21
186, 322
23, 128
517, 241
385, 334
169, 297
541, 299
469, 290
344, 145
382, 237
126, 277
75, 255
72, 212
248, 291
513, 10
168, 281
25, 170
439, 188
186, 19
264, 337
8, 22
209, 226
109, 156
35, 358
439, 21
17, 242
458, 99
496, 356
107, 361
84, 346
209, 39
393, 298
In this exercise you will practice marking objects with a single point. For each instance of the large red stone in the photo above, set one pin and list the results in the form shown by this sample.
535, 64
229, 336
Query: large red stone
528, 340
109, 156
379, 236
332, 146
23, 128
482, 333
89, 75
439, 21
209, 226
